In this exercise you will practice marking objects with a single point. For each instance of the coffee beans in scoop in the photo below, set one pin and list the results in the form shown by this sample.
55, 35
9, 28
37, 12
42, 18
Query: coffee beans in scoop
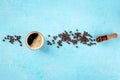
13, 39
71, 38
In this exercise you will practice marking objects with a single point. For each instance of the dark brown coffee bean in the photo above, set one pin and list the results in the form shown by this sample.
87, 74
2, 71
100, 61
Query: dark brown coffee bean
3, 40
68, 42
5, 37
48, 35
94, 43
54, 37
49, 43
76, 46
74, 42
19, 41
94, 40
76, 29
73, 37
89, 44
12, 39
20, 44
70, 32
53, 41
8, 36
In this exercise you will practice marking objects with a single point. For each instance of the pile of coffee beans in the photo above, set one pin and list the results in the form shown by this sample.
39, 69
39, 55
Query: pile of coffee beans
73, 38
13, 39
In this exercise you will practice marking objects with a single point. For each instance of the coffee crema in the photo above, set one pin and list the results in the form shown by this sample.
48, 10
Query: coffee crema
34, 40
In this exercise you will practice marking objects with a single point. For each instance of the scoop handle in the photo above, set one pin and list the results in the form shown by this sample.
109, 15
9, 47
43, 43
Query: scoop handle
114, 35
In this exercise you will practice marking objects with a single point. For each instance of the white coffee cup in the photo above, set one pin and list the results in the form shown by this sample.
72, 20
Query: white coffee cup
34, 40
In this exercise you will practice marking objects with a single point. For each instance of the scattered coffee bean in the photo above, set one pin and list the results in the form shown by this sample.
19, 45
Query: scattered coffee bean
49, 43
5, 37
54, 37
53, 41
70, 32
3, 40
20, 44
74, 42
12, 39
59, 43
68, 42
76, 29
94, 43
72, 37
48, 35
76, 46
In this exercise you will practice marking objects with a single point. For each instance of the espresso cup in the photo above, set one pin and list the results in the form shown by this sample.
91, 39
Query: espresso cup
34, 40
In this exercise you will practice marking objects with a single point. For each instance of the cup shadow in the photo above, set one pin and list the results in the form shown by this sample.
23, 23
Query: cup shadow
45, 48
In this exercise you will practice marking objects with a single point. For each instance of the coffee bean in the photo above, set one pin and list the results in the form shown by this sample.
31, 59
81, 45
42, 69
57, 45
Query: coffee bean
89, 44
94, 40
59, 43
3, 40
49, 43
53, 41
19, 41
48, 35
5, 37
54, 37
72, 37
76, 29
68, 42
74, 42
12, 39
20, 44
65, 31
70, 32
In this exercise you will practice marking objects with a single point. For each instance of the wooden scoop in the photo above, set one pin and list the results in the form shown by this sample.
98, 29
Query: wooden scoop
106, 37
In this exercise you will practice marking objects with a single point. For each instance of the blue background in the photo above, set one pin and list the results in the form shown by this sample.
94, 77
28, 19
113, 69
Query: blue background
100, 62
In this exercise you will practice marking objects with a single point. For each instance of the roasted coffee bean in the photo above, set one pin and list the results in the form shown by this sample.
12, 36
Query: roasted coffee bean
20, 44
76, 29
5, 37
3, 40
76, 46
48, 35
54, 37
70, 32
12, 39
72, 37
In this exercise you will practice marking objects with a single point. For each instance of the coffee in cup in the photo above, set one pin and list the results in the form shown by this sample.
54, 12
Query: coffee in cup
34, 40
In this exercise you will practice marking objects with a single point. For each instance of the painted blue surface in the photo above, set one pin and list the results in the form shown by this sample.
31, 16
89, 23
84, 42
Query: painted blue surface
100, 62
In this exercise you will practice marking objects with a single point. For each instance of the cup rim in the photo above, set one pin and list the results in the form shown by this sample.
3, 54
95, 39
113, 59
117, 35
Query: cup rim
40, 34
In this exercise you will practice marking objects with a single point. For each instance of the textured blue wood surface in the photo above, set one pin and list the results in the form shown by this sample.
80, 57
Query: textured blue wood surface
100, 62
